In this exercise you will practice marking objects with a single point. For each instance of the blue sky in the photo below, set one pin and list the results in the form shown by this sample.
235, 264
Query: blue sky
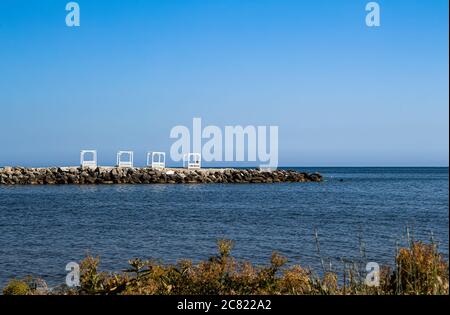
341, 93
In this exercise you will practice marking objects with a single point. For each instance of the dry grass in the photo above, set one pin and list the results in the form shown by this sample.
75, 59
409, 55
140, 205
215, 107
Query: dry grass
419, 269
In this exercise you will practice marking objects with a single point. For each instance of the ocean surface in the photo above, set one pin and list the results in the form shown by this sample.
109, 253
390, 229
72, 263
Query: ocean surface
42, 228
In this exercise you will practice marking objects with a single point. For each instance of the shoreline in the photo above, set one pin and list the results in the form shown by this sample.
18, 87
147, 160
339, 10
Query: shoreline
145, 175
418, 269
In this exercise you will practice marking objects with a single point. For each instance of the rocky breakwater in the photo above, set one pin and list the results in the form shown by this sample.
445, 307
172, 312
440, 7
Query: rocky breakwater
114, 175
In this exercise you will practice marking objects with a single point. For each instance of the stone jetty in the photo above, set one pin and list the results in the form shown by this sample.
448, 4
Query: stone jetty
115, 175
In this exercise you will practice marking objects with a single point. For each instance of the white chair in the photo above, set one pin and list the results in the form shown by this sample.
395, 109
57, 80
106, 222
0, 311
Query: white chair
88, 162
125, 163
192, 160
156, 159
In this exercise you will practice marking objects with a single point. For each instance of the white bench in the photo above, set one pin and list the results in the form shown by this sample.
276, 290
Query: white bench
125, 163
192, 160
156, 159
88, 162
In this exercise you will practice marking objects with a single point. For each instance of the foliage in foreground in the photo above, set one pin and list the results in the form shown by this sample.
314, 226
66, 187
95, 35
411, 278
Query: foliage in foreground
419, 269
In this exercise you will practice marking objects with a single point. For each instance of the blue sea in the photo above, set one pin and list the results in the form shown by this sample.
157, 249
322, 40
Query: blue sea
42, 228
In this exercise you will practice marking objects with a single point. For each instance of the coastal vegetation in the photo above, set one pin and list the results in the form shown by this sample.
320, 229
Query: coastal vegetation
418, 269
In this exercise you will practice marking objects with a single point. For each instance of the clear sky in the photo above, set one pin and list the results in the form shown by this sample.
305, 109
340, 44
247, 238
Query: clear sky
341, 93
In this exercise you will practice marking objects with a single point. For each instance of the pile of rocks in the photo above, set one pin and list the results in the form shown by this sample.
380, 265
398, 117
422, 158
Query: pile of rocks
114, 175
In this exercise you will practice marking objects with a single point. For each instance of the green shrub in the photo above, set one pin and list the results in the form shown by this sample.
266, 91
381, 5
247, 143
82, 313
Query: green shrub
16, 287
